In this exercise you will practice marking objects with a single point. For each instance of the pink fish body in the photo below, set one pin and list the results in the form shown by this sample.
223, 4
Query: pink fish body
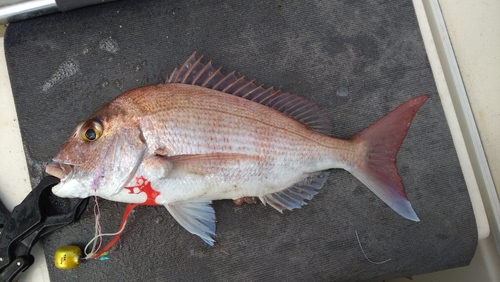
205, 136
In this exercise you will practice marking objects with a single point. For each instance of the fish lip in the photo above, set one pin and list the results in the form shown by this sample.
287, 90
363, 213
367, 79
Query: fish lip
60, 170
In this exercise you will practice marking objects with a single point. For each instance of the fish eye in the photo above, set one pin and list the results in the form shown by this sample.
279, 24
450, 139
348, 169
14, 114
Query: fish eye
91, 130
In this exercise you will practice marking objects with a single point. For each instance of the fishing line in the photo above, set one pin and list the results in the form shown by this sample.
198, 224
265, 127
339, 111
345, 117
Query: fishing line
68, 257
362, 250
98, 231
95, 253
128, 210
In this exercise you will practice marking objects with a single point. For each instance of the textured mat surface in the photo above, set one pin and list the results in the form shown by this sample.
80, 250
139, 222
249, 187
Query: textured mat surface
357, 59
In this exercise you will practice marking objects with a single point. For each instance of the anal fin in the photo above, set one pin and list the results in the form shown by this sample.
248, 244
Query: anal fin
197, 216
294, 196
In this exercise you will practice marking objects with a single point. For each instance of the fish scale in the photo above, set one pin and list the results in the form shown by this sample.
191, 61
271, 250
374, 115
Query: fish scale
198, 131
206, 136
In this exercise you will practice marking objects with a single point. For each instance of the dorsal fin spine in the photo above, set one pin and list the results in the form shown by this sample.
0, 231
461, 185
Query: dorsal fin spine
279, 102
201, 73
190, 70
207, 80
194, 72
171, 76
232, 84
184, 66
277, 98
226, 77
273, 96
258, 98
246, 95
237, 92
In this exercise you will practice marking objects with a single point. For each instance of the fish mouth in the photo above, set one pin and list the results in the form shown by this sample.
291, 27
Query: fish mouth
59, 170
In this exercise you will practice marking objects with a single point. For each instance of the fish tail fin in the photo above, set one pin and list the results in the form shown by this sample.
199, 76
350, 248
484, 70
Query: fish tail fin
376, 165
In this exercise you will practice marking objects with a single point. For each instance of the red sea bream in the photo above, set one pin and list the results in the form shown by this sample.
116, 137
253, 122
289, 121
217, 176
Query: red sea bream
206, 136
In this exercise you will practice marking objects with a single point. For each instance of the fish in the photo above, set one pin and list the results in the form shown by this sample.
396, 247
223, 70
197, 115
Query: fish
204, 135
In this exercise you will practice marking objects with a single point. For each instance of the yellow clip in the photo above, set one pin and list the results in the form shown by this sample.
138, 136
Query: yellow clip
67, 257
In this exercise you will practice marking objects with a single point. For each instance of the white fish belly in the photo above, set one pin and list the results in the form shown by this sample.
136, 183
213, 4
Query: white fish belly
228, 183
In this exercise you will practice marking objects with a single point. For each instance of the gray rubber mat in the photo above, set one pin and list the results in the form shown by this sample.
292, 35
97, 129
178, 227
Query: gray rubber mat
357, 59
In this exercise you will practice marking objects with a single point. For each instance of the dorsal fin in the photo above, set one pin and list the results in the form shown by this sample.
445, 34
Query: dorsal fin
194, 72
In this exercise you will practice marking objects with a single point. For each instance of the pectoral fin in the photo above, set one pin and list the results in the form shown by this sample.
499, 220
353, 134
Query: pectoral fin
294, 196
197, 216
